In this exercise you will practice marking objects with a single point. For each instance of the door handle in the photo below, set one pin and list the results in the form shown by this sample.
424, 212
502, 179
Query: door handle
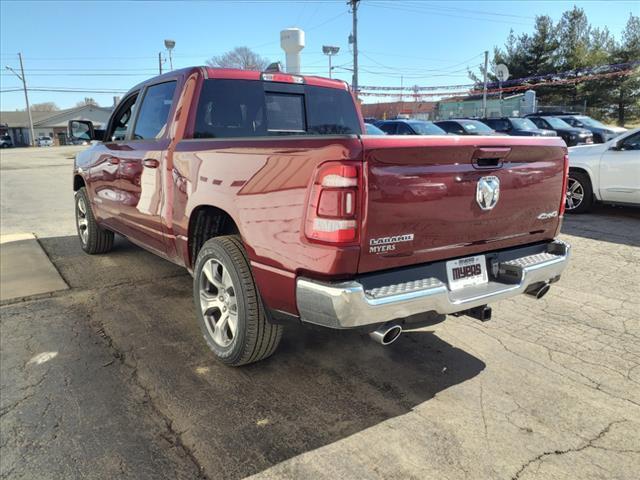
150, 163
114, 160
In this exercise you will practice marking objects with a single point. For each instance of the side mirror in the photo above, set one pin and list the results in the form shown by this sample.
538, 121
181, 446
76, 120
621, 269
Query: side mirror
83, 130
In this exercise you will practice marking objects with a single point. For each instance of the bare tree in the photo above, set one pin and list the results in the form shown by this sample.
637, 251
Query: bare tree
87, 101
240, 57
44, 107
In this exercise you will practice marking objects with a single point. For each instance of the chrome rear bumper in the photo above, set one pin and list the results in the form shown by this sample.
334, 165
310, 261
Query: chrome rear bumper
350, 304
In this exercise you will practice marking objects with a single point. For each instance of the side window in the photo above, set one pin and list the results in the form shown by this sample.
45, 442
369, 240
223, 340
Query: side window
122, 119
631, 143
540, 123
230, 108
404, 129
154, 111
389, 128
456, 128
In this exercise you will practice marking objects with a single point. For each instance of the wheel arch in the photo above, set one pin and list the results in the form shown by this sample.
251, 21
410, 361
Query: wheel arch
78, 182
205, 222
589, 174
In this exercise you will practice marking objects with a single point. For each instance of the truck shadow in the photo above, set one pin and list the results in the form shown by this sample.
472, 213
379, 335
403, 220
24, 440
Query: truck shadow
321, 386
606, 223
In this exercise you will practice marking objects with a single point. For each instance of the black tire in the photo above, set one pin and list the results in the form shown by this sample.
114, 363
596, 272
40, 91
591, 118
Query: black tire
579, 182
96, 239
255, 338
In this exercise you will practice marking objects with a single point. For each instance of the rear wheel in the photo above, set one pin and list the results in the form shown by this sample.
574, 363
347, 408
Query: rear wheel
579, 197
230, 313
93, 238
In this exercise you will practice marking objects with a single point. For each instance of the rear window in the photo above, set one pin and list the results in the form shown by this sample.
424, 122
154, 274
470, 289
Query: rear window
247, 108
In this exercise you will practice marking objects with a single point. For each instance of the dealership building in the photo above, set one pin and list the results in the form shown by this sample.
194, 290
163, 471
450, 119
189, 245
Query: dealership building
49, 124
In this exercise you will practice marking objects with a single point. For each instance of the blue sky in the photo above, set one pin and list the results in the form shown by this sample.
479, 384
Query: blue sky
114, 45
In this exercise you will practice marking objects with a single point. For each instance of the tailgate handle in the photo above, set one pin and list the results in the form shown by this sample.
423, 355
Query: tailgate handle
490, 157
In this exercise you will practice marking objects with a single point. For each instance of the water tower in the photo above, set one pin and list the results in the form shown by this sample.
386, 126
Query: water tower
292, 42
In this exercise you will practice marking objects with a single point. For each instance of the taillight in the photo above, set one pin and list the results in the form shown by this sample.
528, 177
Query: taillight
332, 213
565, 179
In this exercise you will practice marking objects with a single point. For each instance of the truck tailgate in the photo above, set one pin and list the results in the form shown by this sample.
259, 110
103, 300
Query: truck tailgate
420, 196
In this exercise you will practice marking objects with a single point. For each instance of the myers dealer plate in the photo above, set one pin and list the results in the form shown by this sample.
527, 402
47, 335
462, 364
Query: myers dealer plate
466, 272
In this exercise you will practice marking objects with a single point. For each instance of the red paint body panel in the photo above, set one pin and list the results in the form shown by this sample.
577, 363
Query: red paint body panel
420, 185
426, 186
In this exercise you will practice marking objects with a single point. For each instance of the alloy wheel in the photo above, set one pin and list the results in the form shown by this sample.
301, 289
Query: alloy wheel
81, 219
218, 302
575, 194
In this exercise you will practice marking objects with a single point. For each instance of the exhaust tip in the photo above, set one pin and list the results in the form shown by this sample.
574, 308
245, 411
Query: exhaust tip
387, 334
543, 291
538, 290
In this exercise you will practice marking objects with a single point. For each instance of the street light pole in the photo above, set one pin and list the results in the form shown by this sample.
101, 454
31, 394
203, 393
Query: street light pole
32, 136
330, 51
484, 90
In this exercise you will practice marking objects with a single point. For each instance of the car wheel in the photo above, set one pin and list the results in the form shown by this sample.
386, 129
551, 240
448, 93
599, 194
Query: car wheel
230, 313
579, 198
93, 238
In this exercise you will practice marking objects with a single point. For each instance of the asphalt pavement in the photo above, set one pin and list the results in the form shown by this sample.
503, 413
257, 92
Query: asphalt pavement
110, 377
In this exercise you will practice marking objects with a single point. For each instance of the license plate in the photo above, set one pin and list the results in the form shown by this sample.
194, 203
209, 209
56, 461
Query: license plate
466, 272
589, 140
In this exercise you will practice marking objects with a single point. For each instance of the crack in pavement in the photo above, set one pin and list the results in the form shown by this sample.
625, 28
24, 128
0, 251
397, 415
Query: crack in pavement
587, 444
172, 436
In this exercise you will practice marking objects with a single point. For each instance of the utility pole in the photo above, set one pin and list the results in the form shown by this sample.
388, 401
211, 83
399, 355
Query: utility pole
160, 62
21, 76
354, 40
484, 90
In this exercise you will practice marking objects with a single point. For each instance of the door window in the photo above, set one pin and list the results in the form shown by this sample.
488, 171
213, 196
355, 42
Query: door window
632, 142
404, 129
122, 119
389, 128
154, 111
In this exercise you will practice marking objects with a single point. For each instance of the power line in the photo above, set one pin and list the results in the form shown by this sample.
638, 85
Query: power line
412, 9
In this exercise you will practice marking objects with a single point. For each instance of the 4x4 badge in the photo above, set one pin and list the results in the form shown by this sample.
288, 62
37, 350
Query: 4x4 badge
488, 192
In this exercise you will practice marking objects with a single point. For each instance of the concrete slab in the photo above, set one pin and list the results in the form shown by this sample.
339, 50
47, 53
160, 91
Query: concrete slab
25, 269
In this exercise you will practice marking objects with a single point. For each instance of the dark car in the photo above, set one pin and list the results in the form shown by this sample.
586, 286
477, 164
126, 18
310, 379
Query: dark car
373, 130
6, 142
463, 126
409, 127
601, 132
521, 127
572, 136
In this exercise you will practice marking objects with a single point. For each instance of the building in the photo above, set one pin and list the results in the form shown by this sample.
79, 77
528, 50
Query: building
389, 110
50, 124
469, 107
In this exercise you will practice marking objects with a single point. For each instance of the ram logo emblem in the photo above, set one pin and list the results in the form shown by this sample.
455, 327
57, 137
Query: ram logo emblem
488, 192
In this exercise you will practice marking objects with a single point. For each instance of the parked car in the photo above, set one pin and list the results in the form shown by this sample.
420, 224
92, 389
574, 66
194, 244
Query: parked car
520, 127
601, 132
263, 186
44, 142
463, 126
6, 142
373, 130
571, 135
409, 127
608, 172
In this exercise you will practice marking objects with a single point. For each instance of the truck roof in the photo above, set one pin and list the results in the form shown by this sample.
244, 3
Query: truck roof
237, 74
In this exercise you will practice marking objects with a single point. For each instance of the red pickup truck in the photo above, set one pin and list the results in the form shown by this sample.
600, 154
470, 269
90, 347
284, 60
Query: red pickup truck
264, 187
